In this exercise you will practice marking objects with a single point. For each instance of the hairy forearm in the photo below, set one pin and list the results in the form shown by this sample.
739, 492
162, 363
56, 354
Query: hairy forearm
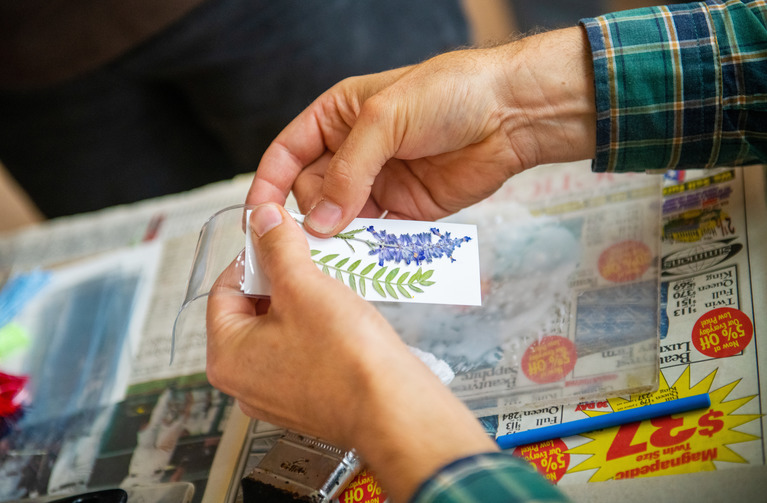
549, 99
412, 425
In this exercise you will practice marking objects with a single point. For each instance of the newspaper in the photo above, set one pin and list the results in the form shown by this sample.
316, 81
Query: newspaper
713, 275
106, 408
710, 276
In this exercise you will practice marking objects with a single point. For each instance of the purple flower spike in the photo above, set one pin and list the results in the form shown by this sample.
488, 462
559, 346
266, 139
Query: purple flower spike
416, 248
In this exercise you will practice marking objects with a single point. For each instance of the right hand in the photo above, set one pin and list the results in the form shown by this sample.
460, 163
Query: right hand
425, 141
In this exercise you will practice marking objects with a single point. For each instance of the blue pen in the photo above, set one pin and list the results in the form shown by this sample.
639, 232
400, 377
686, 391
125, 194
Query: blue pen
604, 421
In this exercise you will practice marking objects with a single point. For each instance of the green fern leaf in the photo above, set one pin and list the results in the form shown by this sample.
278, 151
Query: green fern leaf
380, 272
378, 288
328, 258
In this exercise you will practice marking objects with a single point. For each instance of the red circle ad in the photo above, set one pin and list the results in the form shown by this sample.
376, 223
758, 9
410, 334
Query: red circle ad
624, 261
549, 359
549, 457
363, 488
722, 332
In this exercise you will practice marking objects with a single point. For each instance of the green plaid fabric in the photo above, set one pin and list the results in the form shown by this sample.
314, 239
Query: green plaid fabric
681, 86
488, 478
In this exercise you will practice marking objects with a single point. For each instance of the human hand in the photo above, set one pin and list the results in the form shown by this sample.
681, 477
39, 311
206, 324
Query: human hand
320, 360
425, 141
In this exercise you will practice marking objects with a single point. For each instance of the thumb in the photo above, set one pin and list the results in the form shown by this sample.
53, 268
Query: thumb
352, 171
280, 245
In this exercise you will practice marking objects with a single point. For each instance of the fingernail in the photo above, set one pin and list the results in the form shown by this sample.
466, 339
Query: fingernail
265, 218
324, 217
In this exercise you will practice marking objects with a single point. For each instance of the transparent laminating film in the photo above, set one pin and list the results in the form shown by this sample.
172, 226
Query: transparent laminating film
218, 257
570, 309
570, 291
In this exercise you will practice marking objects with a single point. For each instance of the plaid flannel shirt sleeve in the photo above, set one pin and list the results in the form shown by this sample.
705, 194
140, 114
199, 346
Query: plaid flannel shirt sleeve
681, 86
488, 478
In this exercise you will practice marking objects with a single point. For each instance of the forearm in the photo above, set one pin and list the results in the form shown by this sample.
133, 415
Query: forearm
550, 96
411, 425
426, 446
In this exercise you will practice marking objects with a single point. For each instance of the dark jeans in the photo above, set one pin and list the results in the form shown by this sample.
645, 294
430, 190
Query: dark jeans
552, 14
201, 101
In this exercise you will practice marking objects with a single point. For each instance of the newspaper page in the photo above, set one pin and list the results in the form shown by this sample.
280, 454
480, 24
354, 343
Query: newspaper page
86, 313
712, 275
711, 302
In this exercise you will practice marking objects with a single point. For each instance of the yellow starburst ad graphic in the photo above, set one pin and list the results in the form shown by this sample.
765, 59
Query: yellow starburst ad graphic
674, 444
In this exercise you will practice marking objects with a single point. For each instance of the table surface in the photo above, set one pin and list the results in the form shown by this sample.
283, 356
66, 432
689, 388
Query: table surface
176, 219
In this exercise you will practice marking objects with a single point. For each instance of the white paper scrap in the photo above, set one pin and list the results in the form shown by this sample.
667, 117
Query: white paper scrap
392, 261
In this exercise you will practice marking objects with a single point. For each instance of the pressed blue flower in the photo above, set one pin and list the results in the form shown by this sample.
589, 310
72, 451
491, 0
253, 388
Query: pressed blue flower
409, 248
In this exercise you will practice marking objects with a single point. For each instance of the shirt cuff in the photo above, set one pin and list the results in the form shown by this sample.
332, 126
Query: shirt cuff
493, 477
657, 88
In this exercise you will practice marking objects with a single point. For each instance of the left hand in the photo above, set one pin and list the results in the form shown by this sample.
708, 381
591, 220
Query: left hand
304, 363
321, 360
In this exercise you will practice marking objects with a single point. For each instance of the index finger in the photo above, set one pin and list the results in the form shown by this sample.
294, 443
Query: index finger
322, 127
297, 146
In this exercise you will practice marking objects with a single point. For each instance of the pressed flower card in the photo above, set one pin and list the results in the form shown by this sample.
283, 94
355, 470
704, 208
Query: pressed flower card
392, 260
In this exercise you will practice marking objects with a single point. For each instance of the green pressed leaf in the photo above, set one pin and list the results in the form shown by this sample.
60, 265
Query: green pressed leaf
347, 243
348, 234
387, 283
328, 258
380, 272
378, 288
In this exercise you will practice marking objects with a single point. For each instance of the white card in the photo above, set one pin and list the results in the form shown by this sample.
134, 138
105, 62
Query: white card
392, 261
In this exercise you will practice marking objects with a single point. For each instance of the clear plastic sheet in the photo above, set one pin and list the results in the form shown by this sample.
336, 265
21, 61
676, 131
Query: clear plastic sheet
220, 248
570, 291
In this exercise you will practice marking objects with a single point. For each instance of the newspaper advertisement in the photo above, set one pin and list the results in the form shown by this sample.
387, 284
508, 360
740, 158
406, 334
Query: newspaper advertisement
711, 279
